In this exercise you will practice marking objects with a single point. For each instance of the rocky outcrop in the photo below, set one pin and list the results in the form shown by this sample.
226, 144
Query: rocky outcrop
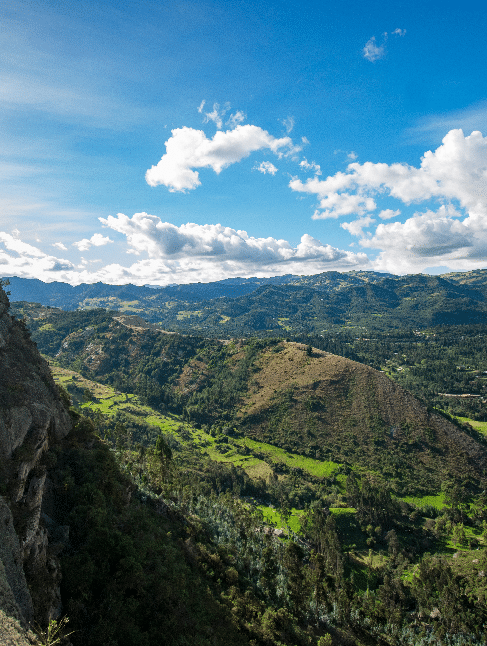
33, 418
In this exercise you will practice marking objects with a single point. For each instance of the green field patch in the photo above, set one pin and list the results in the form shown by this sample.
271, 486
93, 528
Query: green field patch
438, 501
337, 511
108, 402
273, 517
478, 426
315, 468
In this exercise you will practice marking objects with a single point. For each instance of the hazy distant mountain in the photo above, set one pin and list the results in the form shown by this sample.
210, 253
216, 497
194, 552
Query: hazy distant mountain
294, 304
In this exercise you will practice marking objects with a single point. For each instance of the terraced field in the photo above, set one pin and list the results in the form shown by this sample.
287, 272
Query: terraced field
256, 458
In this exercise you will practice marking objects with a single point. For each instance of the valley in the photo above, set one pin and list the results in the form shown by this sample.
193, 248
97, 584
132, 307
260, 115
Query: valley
312, 489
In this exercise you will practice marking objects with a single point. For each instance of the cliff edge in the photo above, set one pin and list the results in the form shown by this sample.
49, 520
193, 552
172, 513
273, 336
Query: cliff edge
33, 418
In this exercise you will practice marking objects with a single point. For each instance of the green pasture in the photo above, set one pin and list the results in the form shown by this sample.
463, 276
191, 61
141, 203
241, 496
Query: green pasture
273, 517
437, 501
315, 468
479, 426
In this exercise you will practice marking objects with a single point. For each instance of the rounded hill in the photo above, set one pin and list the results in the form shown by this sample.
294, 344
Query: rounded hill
326, 406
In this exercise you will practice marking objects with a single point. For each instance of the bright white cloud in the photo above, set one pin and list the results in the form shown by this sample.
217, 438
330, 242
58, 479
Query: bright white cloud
12, 243
189, 253
266, 167
187, 149
96, 240
456, 170
430, 238
26, 260
454, 175
161, 240
357, 226
60, 245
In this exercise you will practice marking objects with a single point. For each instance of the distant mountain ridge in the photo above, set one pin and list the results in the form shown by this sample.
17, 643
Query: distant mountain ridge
294, 304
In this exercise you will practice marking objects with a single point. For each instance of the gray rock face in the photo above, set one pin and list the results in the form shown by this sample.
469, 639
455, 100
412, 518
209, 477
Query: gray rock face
32, 418
13, 576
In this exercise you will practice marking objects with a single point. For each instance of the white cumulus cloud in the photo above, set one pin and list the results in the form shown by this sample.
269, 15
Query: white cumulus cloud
188, 149
357, 226
223, 246
189, 253
19, 258
454, 176
430, 238
96, 240
456, 170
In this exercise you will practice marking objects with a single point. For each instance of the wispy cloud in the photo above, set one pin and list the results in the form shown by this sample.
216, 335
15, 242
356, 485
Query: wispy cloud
312, 166
468, 119
350, 155
288, 123
216, 115
236, 119
387, 214
266, 167
374, 52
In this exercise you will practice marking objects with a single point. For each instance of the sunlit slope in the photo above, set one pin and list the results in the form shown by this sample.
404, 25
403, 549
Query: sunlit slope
334, 408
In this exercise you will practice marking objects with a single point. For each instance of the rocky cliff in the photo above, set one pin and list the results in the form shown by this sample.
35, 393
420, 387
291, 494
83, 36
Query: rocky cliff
33, 418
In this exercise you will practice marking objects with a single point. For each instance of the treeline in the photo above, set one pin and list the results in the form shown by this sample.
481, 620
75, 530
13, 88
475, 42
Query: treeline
189, 559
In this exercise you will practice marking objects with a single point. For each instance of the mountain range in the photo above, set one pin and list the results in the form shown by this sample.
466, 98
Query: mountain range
282, 305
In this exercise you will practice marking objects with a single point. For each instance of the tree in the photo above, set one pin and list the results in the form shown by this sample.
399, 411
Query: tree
160, 460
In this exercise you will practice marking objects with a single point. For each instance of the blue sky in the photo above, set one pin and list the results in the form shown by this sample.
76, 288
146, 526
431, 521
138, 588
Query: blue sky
159, 143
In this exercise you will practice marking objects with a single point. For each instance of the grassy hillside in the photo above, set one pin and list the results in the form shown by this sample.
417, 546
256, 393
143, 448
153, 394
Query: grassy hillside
314, 404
